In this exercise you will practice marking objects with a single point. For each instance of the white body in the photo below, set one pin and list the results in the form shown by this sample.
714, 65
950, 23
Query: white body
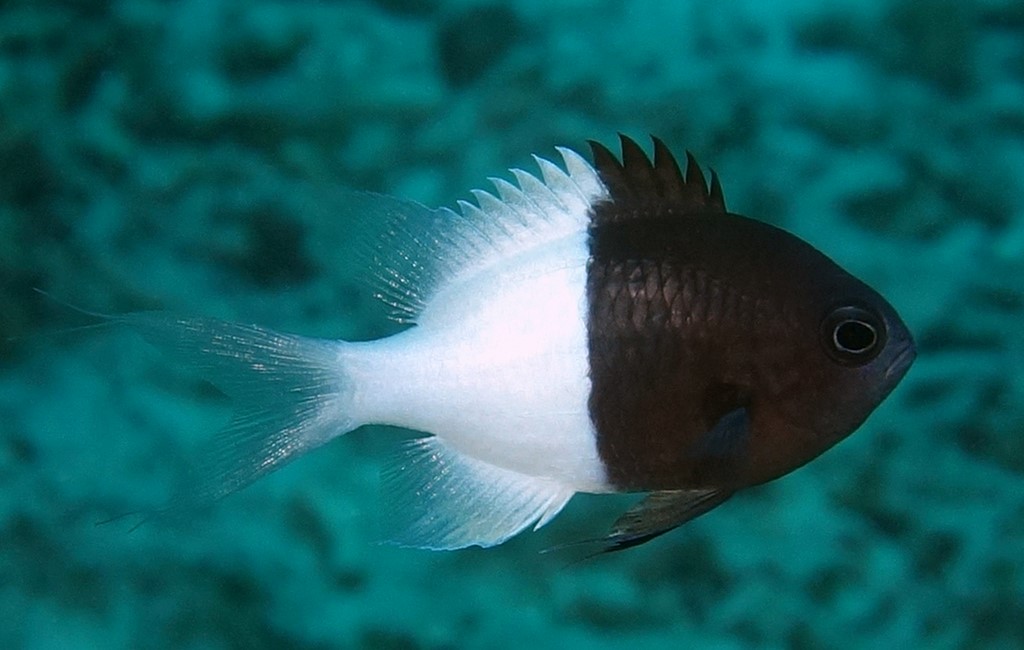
496, 367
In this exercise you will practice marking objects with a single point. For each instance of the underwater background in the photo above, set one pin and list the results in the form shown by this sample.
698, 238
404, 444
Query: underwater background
188, 155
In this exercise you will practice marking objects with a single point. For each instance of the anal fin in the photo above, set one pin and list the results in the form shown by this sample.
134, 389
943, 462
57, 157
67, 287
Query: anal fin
438, 498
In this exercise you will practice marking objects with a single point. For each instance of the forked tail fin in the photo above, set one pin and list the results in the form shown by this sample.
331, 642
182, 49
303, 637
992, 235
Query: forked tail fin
289, 395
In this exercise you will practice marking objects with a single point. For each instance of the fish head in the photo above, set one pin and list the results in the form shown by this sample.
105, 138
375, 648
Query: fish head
724, 351
839, 351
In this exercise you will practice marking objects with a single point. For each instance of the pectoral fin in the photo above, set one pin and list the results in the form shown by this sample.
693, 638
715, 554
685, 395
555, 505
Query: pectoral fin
663, 510
659, 513
728, 439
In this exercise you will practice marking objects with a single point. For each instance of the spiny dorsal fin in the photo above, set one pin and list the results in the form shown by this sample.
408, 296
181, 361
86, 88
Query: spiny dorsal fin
423, 249
640, 188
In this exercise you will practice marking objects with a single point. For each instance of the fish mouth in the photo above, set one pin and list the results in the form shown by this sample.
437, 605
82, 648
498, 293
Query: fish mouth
902, 362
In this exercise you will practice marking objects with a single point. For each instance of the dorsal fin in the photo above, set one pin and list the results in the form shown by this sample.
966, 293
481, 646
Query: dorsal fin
422, 249
640, 188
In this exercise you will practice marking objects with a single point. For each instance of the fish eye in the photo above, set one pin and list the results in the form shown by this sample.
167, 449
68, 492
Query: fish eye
852, 335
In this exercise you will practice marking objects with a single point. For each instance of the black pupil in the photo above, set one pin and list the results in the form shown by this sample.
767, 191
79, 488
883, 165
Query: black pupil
854, 336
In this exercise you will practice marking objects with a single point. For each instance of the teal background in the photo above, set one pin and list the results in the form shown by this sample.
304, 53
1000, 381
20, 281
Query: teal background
187, 156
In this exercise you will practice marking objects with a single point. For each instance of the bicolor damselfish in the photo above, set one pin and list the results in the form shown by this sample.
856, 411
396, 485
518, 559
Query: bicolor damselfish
604, 327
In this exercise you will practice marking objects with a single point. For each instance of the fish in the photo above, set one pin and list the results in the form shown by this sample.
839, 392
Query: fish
600, 327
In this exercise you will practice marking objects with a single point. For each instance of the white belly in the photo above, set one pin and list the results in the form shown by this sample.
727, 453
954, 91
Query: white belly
497, 367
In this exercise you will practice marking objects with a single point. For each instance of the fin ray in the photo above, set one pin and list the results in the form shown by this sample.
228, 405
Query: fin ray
441, 499
660, 512
640, 188
425, 248
562, 186
289, 392
582, 174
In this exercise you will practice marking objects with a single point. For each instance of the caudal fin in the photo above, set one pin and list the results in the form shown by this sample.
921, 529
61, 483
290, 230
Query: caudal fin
289, 395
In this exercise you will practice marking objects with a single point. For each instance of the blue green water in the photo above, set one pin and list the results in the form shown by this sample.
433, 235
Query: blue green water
186, 156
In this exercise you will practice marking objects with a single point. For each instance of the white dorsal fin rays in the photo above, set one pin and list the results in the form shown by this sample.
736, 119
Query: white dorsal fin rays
521, 205
582, 174
441, 499
540, 194
504, 217
424, 249
569, 194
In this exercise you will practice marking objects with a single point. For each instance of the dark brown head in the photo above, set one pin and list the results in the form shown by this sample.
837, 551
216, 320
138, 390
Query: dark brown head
825, 350
724, 351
